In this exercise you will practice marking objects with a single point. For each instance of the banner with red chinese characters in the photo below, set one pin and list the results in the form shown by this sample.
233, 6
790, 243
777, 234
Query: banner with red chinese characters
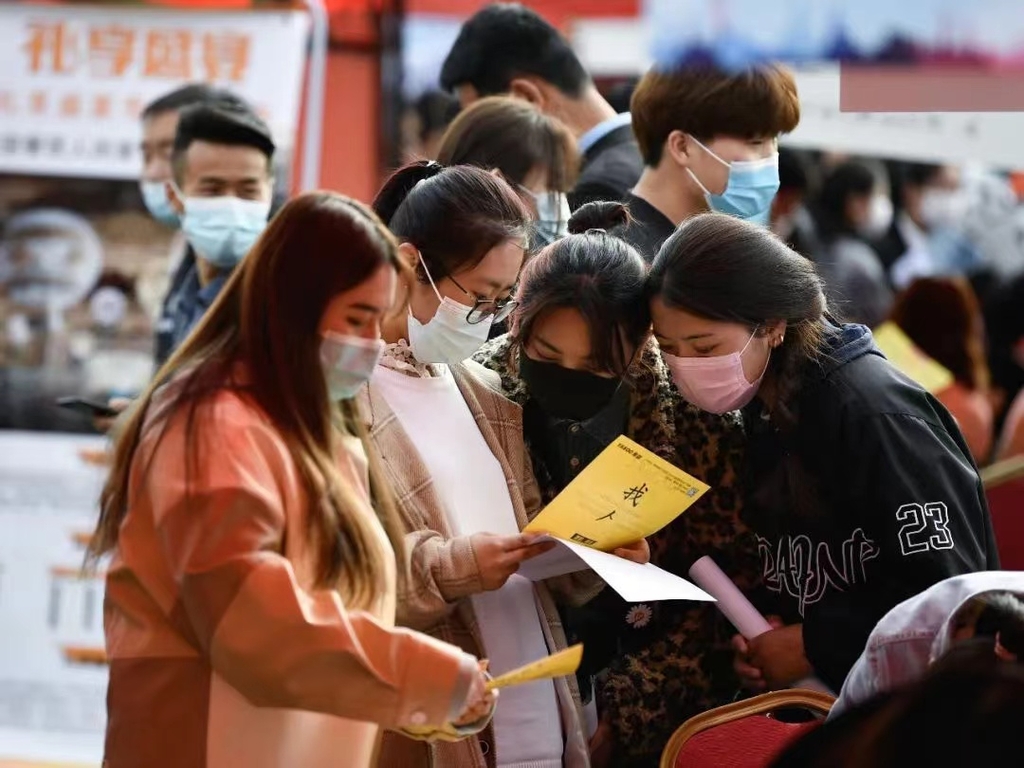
73, 79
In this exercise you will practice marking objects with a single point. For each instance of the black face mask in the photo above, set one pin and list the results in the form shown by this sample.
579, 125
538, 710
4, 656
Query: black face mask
564, 393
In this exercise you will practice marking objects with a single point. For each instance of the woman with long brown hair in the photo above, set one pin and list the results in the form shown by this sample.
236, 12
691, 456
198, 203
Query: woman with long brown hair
942, 317
251, 596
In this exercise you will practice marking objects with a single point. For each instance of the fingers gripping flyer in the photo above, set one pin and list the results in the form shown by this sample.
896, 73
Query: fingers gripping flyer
560, 664
627, 493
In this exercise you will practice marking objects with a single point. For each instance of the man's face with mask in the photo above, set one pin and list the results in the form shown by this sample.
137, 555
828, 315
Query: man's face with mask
728, 174
223, 196
157, 145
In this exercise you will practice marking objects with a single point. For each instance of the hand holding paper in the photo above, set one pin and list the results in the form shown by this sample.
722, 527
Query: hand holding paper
737, 609
626, 494
560, 664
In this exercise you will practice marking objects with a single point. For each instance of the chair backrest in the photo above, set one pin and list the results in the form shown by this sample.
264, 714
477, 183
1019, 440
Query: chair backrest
743, 734
1004, 488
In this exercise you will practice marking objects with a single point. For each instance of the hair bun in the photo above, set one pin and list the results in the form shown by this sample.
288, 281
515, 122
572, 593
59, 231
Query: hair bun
400, 183
598, 216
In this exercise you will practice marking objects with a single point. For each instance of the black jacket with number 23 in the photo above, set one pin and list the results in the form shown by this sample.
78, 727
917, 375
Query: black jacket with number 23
870, 499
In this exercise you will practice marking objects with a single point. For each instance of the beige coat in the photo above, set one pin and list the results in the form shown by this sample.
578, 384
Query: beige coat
443, 569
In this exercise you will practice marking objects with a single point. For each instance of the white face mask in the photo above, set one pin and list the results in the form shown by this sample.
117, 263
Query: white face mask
348, 362
223, 229
879, 218
944, 208
448, 337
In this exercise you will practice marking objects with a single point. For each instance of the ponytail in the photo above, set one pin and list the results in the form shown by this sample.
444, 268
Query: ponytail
399, 184
454, 219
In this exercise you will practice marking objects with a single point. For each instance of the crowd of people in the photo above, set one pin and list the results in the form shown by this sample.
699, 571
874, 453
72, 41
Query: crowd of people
315, 511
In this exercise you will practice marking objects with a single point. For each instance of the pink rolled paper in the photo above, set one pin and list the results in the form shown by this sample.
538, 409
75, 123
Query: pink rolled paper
737, 609
731, 602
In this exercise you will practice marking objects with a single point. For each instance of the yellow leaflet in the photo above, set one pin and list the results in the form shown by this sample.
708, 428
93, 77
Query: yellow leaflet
625, 494
909, 360
556, 665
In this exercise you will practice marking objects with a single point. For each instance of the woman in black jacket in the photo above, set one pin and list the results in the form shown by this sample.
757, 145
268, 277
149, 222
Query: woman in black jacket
858, 482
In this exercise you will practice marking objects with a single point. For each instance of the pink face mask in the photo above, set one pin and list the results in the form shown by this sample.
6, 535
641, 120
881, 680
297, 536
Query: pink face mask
714, 384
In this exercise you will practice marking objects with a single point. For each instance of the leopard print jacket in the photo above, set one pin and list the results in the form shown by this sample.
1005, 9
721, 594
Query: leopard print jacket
672, 659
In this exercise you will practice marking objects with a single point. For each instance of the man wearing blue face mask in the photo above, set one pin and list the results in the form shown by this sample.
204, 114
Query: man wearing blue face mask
221, 190
709, 140
159, 126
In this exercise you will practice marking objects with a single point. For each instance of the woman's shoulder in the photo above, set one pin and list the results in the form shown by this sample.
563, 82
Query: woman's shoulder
219, 420
869, 390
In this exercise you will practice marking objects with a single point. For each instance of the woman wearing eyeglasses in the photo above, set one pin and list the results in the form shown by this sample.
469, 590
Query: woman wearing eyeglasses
453, 451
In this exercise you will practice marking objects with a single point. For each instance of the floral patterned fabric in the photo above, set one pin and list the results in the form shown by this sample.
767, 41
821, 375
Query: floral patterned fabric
667, 661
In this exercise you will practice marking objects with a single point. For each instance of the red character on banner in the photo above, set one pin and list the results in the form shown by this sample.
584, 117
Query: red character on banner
168, 54
111, 50
37, 102
226, 56
101, 106
51, 48
71, 105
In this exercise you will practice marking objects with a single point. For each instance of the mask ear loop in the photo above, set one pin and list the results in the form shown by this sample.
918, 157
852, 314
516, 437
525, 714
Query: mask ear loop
712, 154
766, 362
430, 279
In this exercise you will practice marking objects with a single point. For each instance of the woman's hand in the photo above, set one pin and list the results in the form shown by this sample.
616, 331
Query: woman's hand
749, 675
602, 745
103, 424
498, 557
480, 702
779, 655
639, 552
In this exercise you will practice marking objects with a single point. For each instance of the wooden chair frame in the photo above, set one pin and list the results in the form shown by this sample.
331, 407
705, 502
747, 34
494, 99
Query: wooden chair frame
1001, 472
765, 704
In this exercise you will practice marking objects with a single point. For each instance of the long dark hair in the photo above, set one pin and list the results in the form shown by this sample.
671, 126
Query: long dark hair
942, 317
453, 216
722, 268
600, 276
514, 137
267, 318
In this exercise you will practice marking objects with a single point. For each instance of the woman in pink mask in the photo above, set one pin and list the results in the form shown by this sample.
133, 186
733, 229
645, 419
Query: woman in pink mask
858, 482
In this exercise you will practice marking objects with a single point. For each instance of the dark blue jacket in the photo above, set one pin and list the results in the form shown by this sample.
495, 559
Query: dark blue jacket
870, 499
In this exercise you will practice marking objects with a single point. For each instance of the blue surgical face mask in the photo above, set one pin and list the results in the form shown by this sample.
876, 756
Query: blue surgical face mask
751, 188
154, 195
552, 216
348, 362
223, 229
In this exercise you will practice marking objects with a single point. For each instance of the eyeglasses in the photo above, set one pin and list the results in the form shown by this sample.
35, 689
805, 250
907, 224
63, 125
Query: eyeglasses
496, 309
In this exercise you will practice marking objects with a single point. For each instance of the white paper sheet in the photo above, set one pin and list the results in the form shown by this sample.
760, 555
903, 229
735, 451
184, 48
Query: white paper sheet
635, 583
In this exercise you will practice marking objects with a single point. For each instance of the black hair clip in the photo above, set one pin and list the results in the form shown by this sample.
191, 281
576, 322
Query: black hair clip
597, 231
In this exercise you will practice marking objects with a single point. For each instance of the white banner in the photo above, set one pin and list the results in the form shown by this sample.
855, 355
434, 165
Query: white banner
52, 677
992, 138
73, 80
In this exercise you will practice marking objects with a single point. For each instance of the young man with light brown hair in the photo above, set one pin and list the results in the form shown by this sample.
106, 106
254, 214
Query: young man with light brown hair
709, 140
